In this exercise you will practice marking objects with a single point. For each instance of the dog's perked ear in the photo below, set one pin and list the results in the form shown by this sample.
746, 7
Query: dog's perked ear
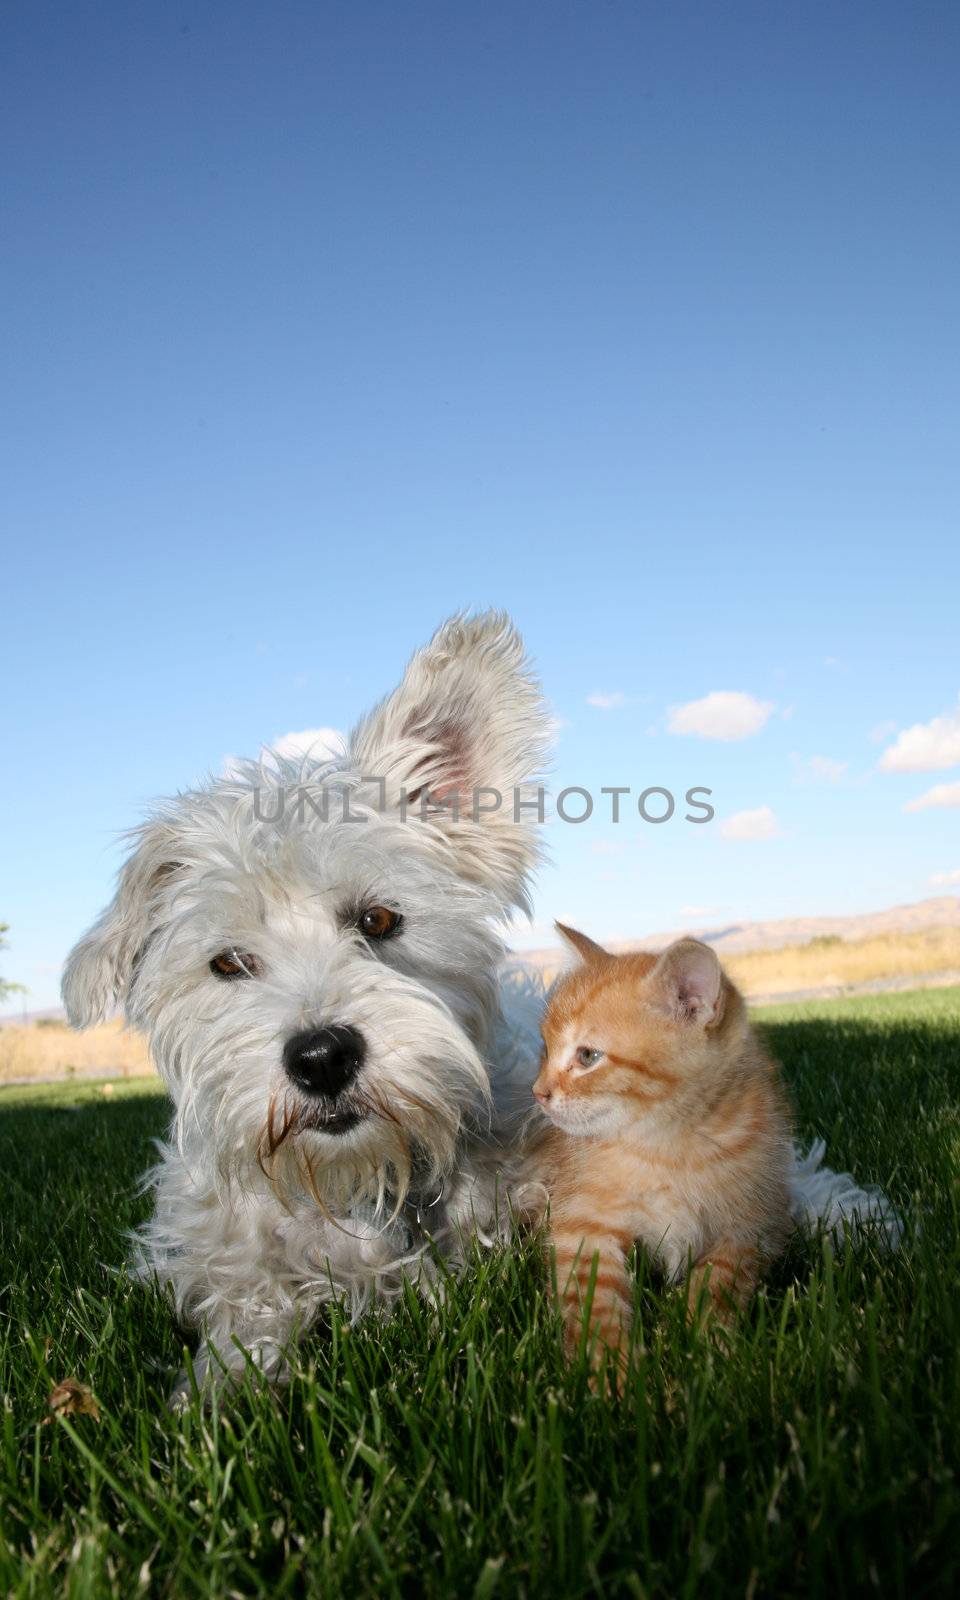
99, 968
469, 725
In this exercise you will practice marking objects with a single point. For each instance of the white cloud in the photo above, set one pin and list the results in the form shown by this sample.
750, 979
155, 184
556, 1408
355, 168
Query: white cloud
819, 769
725, 714
827, 768
942, 794
882, 732
319, 744
606, 702
926, 747
758, 824
943, 880
607, 847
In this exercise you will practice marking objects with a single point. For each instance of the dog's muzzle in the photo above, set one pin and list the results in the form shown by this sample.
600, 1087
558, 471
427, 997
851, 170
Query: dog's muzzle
323, 1062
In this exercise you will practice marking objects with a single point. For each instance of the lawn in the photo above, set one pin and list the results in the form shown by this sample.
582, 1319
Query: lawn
456, 1455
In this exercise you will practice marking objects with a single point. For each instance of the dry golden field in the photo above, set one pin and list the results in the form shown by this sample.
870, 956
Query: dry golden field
832, 963
839, 963
49, 1049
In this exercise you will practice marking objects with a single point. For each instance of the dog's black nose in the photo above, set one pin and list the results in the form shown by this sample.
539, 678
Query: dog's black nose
324, 1060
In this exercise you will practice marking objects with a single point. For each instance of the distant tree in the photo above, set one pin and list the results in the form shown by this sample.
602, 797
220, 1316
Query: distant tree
8, 988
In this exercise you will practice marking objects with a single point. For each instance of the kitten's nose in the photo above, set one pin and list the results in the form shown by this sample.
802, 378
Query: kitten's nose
324, 1060
543, 1095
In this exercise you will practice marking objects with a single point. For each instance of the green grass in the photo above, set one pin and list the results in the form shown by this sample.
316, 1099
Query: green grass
456, 1455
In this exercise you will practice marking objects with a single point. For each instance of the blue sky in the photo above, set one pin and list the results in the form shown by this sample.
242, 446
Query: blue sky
325, 320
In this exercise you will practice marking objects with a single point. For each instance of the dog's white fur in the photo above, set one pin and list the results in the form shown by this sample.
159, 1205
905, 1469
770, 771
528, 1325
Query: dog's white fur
260, 1215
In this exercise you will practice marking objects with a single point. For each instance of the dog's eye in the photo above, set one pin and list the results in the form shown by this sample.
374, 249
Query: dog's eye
377, 922
236, 964
588, 1057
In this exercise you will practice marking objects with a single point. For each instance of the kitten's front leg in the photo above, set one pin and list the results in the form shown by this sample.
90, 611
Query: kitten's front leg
722, 1281
591, 1270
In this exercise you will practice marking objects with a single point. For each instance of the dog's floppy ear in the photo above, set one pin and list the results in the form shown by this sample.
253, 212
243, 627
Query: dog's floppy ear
587, 949
468, 723
99, 967
687, 983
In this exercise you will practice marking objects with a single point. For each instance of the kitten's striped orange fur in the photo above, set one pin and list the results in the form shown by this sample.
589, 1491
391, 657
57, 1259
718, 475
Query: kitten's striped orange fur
670, 1129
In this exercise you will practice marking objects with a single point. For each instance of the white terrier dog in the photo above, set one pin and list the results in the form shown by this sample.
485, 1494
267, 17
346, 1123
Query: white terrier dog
312, 951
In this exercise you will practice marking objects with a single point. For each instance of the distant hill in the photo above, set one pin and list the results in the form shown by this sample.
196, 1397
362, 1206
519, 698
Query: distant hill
940, 911
18, 1018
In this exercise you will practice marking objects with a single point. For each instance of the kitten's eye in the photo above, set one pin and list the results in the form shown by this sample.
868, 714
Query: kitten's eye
586, 1057
236, 964
377, 922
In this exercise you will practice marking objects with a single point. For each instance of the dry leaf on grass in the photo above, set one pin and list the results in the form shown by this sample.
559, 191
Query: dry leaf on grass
71, 1398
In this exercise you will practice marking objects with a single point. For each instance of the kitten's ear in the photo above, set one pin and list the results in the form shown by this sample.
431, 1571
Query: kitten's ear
687, 983
587, 948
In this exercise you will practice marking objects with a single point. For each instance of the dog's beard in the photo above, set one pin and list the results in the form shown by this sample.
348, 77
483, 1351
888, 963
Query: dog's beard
367, 1146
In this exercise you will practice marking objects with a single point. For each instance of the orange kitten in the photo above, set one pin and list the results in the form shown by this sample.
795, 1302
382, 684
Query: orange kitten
671, 1130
